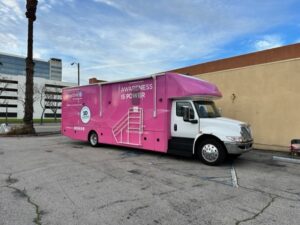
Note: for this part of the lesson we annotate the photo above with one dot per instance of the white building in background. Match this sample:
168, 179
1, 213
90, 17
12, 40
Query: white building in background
47, 94
47, 86
16, 65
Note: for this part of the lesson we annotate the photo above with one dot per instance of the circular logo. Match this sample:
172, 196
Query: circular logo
85, 114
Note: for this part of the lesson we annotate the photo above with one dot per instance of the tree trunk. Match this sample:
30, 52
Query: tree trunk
28, 115
42, 117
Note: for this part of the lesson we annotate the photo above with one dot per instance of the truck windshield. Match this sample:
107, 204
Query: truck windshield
206, 109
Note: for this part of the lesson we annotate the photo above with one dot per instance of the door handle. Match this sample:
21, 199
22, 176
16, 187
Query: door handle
175, 127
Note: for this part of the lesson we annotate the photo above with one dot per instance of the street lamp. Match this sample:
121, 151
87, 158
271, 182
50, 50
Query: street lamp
5, 101
6, 106
78, 70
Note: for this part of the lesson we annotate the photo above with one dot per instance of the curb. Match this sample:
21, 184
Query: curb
48, 133
284, 159
40, 134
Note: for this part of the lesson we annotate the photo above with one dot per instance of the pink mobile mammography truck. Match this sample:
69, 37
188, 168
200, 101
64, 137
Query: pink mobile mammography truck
168, 112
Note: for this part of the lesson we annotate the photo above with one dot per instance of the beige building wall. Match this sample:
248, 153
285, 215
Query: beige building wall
267, 96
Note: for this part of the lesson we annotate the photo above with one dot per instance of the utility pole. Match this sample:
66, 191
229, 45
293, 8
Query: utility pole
78, 71
28, 116
6, 113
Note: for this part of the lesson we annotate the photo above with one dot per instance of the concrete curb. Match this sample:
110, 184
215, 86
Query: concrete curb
284, 159
39, 134
48, 133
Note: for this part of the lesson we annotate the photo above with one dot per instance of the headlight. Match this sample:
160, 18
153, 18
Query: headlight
235, 138
246, 133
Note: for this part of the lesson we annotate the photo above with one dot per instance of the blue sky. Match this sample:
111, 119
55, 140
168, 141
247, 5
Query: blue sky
116, 39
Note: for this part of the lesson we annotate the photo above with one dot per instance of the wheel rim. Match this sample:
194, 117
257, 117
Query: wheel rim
93, 139
210, 153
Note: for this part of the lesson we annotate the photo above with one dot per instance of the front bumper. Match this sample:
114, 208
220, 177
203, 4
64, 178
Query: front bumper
238, 148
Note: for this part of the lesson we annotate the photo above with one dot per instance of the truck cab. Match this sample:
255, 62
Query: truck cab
197, 125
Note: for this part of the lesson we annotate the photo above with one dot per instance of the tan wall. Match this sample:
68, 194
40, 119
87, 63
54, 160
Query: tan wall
267, 96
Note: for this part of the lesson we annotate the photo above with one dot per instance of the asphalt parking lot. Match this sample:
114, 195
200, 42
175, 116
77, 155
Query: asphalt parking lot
55, 180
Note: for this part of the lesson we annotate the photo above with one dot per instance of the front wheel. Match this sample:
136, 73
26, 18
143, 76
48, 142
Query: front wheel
211, 152
93, 139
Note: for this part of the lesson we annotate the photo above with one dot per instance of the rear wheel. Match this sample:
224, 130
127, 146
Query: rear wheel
93, 139
211, 152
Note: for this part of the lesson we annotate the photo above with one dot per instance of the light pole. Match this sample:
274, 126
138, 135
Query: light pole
6, 112
78, 70
5, 101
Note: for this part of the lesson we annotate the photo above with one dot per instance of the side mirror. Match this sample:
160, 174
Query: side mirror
192, 114
188, 115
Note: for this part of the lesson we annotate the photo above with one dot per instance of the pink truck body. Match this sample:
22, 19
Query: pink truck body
133, 113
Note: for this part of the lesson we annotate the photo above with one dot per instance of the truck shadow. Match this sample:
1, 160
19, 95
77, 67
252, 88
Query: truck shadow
255, 156
130, 152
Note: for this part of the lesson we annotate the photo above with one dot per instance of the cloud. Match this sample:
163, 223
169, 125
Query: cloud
8, 42
44, 6
121, 6
109, 3
119, 39
10, 11
12, 5
267, 42
47, 5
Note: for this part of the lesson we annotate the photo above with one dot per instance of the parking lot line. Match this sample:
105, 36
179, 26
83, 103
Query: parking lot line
234, 177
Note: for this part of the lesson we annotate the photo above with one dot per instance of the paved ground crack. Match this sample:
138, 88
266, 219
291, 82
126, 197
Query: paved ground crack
255, 215
117, 202
272, 199
134, 211
23, 193
265, 192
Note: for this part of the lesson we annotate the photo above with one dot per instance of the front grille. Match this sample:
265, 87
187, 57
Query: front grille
246, 133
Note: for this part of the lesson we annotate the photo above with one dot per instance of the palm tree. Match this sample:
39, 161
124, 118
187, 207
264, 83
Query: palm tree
28, 115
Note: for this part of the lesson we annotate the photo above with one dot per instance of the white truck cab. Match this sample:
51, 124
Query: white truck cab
198, 124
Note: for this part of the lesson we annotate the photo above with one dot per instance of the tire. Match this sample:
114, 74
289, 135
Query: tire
93, 139
211, 152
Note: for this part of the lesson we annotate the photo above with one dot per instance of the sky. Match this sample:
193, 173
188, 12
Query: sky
119, 39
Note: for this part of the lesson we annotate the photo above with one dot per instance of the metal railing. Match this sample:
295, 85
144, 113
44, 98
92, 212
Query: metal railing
129, 129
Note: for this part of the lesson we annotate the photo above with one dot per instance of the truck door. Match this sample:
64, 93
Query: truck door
179, 127
183, 132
